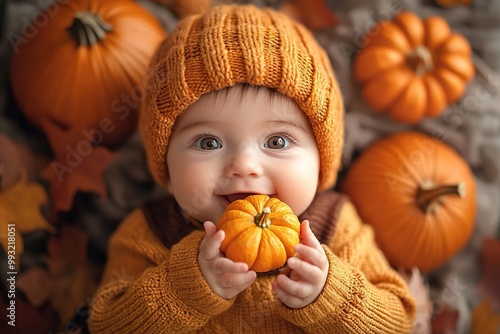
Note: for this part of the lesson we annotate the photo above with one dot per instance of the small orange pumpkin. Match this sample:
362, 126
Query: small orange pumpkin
413, 68
260, 231
418, 194
81, 64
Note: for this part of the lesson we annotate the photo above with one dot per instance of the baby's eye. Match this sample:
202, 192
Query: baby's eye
208, 143
276, 142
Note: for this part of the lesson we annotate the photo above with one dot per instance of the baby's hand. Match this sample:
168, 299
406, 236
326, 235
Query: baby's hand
225, 277
308, 272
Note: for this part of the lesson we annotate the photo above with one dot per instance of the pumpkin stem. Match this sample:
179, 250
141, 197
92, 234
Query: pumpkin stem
88, 28
420, 59
262, 220
430, 196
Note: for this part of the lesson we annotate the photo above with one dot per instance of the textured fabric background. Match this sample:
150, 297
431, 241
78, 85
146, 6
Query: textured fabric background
471, 126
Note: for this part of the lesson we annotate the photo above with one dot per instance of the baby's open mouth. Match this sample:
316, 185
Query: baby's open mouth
233, 197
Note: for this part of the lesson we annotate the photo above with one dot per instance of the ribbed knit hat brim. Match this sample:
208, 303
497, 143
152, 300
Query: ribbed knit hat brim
233, 44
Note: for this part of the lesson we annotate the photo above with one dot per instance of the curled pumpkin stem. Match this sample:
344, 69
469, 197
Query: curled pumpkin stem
430, 196
262, 220
88, 28
420, 59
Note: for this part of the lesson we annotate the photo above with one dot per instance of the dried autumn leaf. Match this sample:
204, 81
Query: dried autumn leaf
314, 14
28, 318
485, 320
10, 163
74, 288
15, 157
20, 213
36, 284
445, 322
420, 292
79, 164
67, 248
489, 285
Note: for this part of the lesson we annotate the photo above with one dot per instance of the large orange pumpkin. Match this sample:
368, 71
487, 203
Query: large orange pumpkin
260, 231
418, 194
81, 64
413, 68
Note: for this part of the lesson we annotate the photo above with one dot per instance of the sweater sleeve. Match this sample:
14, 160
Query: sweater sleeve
362, 294
149, 288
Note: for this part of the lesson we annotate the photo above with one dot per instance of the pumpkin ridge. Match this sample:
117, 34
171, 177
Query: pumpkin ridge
402, 91
410, 106
415, 25
457, 64
269, 243
258, 202
456, 44
398, 147
233, 217
394, 250
451, 82
437, 32
233, 232
244, 206
436, 101
380, 58
389, 35
239, 251
374, 84
288, 237
289, 222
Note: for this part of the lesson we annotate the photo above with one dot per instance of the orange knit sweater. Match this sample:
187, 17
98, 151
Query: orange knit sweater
148, 288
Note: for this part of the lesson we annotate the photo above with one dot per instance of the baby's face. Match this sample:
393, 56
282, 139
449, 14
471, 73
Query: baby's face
225, 147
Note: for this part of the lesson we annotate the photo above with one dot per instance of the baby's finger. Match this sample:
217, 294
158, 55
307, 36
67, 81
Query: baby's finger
306, 270
241, 280
294, 288
231, 288
286, 298
226, 265
315, 256
210, 229
307, 235
210, 246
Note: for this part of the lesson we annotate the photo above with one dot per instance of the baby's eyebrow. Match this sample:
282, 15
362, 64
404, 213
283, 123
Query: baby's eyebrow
208, 123
288, 123
194, 124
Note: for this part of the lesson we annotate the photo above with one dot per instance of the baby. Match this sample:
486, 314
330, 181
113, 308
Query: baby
243, 101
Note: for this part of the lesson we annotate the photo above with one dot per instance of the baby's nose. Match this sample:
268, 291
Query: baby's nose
243, 164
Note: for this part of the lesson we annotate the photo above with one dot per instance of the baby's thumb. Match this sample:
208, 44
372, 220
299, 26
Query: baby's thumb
210, 229
307, 235
210, 245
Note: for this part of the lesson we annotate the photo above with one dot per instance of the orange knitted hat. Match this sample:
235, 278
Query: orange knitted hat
233, 44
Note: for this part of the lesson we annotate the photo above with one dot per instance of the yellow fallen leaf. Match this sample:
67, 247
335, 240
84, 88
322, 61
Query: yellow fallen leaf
20, 213
485, 320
